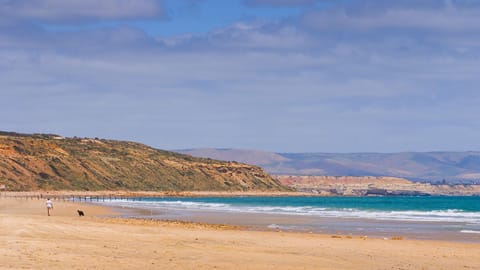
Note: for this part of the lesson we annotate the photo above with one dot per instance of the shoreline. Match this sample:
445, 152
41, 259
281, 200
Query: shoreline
64, 240
347, 227
133, 194
180, 194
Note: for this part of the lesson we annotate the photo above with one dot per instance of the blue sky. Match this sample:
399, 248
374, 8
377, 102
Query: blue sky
277, 75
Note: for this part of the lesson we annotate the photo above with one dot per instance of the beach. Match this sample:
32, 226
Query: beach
31, 239
412, 217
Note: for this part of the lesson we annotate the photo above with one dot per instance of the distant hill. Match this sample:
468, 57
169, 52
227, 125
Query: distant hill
51, 162
453, 167
239, 155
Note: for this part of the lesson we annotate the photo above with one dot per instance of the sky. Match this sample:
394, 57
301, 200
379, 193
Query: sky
274, 75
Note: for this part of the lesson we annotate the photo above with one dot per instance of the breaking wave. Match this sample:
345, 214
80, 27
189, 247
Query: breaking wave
449, 215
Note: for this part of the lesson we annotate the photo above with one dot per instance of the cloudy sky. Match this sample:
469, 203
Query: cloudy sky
278, 75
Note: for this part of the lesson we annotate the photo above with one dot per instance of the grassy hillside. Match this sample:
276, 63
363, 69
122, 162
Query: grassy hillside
51, 162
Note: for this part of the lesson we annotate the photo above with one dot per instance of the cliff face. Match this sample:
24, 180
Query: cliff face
371, 186
50, 162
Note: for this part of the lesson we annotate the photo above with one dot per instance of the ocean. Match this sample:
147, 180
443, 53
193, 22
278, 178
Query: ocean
441, 218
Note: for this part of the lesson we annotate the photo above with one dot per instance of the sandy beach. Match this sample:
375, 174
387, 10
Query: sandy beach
32, 240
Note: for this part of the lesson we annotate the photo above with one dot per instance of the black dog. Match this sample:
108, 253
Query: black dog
80, 213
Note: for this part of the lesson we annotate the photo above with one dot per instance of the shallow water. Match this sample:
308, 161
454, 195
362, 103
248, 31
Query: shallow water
445, 218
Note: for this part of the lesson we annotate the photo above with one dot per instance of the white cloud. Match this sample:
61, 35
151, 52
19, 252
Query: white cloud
435, 19
74, 10
410, 15
279, 3
250, 36
357, 85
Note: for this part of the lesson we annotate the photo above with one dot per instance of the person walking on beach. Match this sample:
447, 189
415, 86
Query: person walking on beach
49, 205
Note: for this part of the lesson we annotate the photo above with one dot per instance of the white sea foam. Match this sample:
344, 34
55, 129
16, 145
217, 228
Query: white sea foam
450, 215
470, 231
273, 226
285, 227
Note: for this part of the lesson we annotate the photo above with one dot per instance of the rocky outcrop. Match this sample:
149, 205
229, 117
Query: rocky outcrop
372, 186
51, 162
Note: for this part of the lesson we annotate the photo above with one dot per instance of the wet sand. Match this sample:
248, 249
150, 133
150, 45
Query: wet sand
31, 239
319, 225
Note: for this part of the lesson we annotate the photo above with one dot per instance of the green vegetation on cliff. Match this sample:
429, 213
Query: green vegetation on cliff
51, 162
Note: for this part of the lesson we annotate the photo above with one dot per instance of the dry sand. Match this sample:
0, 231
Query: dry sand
29, 239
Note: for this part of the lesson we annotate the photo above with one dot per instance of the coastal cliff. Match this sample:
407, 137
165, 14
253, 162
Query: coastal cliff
52, 162
371, 186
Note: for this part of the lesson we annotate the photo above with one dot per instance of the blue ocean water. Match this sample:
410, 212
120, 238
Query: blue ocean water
403, 203
381, 215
